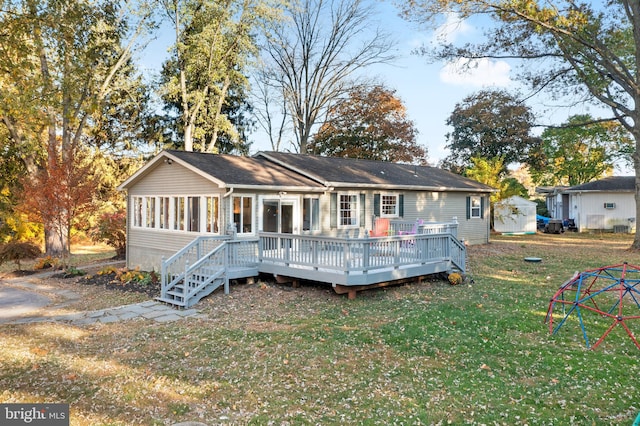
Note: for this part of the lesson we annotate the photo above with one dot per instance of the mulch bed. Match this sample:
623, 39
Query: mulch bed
110, 282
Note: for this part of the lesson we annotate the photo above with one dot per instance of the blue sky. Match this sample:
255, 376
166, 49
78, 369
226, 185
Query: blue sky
429, 91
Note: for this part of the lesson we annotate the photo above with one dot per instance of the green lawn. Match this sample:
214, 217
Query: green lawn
429, 353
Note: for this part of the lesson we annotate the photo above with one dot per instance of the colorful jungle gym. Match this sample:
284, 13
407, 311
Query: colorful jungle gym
598, 300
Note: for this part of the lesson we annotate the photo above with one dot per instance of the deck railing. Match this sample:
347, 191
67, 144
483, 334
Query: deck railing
401, 227
359, 255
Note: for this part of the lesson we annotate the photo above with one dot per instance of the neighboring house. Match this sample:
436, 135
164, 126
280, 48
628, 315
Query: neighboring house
514, 215
606, 204
178, 196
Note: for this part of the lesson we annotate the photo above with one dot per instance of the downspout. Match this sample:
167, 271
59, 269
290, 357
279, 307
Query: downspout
227, 222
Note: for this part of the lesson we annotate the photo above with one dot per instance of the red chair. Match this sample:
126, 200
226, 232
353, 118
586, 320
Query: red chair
381, 228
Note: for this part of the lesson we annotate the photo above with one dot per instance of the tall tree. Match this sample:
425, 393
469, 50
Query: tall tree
489, 124
313, 60
214, 43
60, 62
59, 194
492, 172
371, 123
231, 138
582, 150
588, 50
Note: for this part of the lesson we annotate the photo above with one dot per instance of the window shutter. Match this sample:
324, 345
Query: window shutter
333, 211
376, 205
468, 207
362, 209
401, 205
481, 207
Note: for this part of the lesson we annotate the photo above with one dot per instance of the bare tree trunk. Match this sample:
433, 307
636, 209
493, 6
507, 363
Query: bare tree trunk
636, 165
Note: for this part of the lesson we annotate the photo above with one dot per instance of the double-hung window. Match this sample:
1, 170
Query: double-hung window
475, 207
348, 210
389, 205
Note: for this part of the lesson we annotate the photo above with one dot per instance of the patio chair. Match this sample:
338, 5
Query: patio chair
381, 228
414, 231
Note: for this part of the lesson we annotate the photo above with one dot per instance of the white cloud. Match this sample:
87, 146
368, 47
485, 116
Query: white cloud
451, 29
476, 72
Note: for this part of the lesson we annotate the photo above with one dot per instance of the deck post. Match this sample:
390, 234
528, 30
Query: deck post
315, 247
352, 294
366, 250
163, 277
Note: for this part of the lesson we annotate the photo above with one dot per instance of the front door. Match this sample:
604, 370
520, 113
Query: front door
279, 215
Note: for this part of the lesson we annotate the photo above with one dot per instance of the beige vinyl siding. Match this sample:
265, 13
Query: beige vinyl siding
444, 207
165, 179
429, 206
146, 247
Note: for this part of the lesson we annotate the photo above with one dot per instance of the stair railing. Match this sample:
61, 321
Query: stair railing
174, 269
204, 272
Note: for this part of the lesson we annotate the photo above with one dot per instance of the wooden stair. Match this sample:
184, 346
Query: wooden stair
187, 292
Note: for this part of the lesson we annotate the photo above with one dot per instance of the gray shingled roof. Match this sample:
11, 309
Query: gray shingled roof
243, 171
612, 183
354, 172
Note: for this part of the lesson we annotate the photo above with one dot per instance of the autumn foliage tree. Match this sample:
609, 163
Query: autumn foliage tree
490, 124
59, 194
371, 123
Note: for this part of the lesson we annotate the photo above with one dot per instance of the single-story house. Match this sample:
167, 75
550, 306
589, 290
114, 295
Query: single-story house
607, 204
515, 215
179, 196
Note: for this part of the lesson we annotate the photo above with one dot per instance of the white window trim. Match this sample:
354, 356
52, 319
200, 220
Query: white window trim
253, 213
143, 200
318, 219
357, 210
396, 195
472, 208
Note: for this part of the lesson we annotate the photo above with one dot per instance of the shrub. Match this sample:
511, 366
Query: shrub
72, 271
18, 251
125, 275
108, 270
455, 278
46, 262
111, 230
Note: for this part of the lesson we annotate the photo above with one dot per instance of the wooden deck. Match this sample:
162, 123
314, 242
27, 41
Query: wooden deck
358, 262
348, 264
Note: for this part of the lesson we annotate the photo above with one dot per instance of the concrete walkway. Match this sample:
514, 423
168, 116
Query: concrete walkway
150, 309
23, 300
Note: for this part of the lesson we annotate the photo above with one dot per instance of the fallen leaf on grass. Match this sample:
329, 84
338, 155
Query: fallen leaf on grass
39, 351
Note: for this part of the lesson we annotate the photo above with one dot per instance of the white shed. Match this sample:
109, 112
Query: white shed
515, 215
